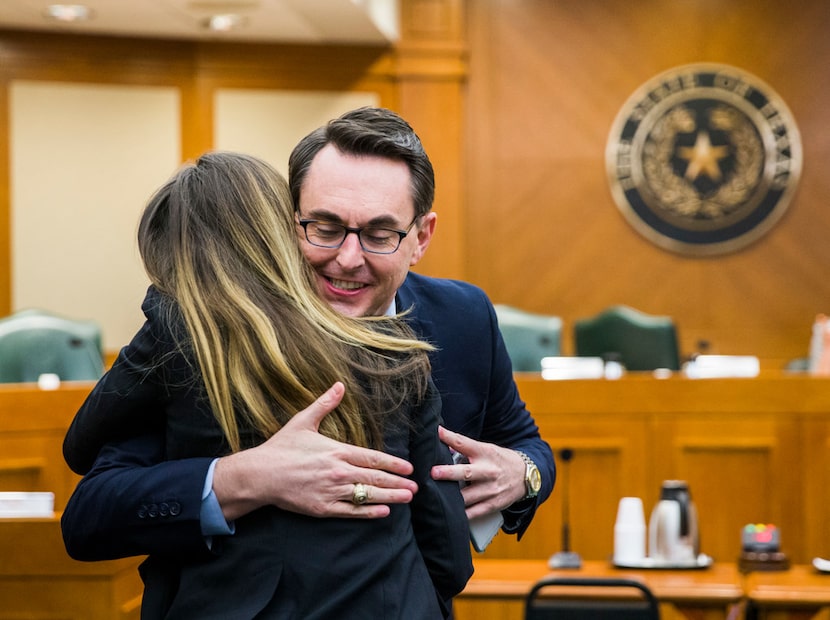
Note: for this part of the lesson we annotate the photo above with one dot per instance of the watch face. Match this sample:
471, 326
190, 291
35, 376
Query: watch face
535, 480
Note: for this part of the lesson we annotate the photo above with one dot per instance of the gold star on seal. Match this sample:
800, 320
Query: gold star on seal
703, 158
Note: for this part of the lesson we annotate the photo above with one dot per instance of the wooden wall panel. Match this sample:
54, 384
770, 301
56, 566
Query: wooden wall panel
737, 466
38, 581
609, 461
546, 82
816, 475
751, 450
603, 461
33, 424
32, 462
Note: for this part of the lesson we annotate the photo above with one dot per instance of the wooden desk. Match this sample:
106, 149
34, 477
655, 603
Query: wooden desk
627, 436
798, 593
33, 423
38, 580
743, 445
498, 588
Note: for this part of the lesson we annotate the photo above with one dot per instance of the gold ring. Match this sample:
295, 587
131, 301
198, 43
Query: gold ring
360, 495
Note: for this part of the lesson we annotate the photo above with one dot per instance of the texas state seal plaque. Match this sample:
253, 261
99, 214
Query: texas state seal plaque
703, 159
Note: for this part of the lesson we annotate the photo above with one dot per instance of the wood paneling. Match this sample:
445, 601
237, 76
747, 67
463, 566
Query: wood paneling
39, 581
422, 78
514, 102
739, 466
752, 450
546, 81
815, 476
607, 464
33, 423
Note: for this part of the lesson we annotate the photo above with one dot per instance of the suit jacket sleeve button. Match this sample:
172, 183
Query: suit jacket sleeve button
152, 511
175, 509
142, 511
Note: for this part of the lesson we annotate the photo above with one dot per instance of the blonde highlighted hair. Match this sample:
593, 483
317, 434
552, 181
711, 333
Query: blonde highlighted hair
220, 240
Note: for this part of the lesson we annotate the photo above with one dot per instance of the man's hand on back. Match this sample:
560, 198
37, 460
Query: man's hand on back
300, 470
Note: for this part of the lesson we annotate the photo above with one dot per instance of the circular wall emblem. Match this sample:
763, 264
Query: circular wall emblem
703, 159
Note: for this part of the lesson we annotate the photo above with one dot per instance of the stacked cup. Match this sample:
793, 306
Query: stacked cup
630, 532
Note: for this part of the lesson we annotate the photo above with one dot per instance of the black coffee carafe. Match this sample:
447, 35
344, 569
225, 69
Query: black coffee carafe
673, 529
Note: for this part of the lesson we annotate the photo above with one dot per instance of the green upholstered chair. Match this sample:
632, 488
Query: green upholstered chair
632, 600
640, 341
529, 337
35, 342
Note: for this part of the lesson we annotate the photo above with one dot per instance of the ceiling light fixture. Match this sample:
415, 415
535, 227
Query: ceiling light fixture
225, 22
68, 12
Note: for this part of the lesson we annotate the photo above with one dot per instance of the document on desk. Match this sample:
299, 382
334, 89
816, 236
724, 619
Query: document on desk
22, 504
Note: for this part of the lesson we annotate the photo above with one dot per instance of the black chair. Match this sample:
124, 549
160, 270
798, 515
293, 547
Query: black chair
559, 598
640, 341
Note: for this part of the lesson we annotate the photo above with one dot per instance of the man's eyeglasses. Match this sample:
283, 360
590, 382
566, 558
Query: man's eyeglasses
373, 239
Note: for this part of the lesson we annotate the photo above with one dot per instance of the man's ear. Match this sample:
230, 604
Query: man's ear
424, 231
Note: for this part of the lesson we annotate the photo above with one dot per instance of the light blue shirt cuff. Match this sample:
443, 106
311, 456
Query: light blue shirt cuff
212, 520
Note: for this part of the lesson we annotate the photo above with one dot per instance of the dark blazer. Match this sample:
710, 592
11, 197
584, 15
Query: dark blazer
471, 370
473, 373
277, 564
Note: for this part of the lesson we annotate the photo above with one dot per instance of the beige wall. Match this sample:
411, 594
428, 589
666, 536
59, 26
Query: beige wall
90, 126
268, 124
86, 158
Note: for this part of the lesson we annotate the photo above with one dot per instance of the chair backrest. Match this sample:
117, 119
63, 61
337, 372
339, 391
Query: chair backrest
34, 342
642, 341
578, 598
528, 337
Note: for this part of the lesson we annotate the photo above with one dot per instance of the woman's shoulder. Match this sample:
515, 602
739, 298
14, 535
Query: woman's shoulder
163, 317
156, 303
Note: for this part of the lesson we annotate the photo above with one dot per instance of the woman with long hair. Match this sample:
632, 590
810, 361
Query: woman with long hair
235, 342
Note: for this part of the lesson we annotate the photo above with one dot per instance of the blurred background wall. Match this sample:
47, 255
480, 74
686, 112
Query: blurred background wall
514, 101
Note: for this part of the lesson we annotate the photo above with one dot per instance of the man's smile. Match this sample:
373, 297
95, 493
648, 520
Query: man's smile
345, 285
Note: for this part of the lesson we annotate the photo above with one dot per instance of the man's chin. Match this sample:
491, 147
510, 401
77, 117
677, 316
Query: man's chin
346, 308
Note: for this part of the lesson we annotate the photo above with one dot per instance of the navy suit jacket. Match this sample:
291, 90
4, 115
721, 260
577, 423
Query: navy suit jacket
474, 376
278, 564
471, 369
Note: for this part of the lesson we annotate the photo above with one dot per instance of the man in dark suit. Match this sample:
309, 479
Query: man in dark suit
363, 189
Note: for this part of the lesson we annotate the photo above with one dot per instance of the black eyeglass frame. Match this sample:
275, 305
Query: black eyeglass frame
347, 230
